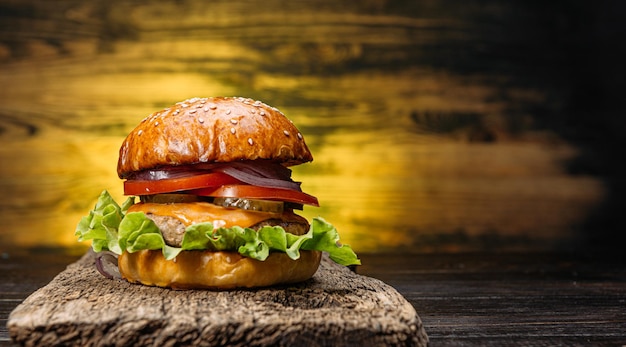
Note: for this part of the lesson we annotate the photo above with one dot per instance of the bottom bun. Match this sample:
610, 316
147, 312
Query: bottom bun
216, 270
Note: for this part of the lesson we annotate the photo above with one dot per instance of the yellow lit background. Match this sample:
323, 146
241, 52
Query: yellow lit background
433, 127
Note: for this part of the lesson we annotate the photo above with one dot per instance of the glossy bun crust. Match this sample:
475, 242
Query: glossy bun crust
220, 129
215, 270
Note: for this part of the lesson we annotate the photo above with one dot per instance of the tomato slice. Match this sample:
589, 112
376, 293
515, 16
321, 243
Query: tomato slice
256, 192
168, 185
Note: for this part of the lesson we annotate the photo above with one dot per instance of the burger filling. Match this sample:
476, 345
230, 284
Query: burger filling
246, 207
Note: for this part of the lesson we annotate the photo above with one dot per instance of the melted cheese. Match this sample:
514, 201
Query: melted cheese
198, 212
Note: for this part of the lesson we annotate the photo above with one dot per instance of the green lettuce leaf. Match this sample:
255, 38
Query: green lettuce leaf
101, 225
111, 228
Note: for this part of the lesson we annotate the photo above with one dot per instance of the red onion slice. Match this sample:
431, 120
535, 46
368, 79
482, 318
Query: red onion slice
166, 173
248, 176
264, 168
255, 172
106, 264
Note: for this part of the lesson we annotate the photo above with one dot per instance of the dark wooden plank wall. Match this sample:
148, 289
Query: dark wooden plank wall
436, 126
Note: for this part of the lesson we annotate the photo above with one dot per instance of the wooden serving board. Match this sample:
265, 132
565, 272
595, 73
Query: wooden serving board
337, 307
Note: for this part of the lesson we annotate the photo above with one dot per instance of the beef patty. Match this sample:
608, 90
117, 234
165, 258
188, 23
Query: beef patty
173, 229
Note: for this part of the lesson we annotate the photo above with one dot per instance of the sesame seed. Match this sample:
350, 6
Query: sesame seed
201, 120
192, 111
140, 132
206, 109
232, 130
300, 136
250, 142
234, 121
175, 112
199, 105
262, 113
286, 132
227, 111
156, 124
212, 106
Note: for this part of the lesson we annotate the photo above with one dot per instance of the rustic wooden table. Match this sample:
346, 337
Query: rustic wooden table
463, 299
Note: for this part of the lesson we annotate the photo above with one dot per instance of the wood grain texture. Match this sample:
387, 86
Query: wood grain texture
475, 299
517, 299
337, 307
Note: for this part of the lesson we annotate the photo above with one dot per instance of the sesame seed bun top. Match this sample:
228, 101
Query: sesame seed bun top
206, 130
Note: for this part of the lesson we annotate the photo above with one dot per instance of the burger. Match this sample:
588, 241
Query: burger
211, 202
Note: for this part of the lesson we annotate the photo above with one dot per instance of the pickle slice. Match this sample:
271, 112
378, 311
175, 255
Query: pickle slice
251, 204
